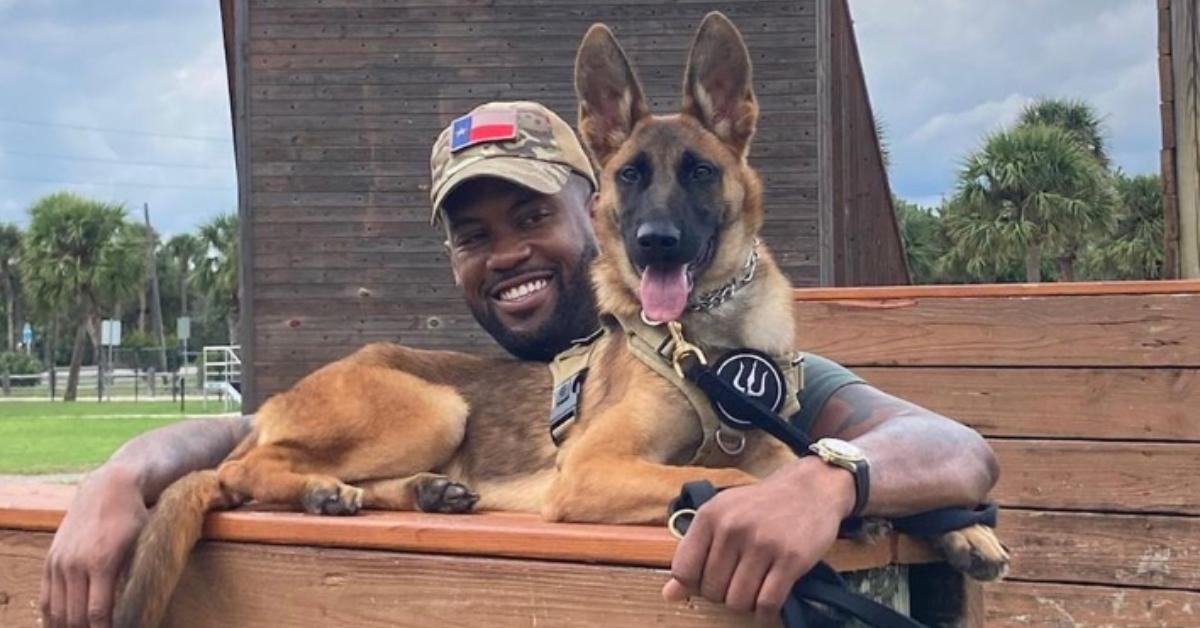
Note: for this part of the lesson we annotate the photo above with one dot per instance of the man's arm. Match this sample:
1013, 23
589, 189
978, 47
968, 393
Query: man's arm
109, 510
748, 545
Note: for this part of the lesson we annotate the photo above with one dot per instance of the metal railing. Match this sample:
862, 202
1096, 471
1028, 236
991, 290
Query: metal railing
222, 368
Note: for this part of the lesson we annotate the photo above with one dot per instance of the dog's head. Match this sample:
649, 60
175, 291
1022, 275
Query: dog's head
679, 206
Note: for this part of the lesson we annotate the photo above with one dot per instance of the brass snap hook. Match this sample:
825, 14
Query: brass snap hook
682, 347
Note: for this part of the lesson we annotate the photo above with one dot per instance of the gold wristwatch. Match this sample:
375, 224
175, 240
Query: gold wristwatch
848, 456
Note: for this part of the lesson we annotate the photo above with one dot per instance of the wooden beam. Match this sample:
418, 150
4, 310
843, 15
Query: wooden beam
1022, 604
1098, 476
1122, 330
1147, 551
1120, 403
40, 508
1079, 288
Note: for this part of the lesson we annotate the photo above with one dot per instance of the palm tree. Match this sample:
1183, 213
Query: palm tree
923, 239
1027, 192
217, 265
10, 254
1080, 119
81, 257
1134, 250
184, 248
1076, 117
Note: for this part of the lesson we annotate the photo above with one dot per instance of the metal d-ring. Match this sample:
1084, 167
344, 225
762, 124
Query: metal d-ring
646, 320
734, 448
673, 521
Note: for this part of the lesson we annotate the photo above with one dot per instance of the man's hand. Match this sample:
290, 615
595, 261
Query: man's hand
89, 550
749, 545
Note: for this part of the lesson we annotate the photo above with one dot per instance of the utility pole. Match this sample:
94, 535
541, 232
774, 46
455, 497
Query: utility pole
156, 301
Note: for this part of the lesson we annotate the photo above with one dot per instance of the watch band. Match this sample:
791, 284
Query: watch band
862, 487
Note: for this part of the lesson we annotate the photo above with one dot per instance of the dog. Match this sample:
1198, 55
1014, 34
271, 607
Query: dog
396, 428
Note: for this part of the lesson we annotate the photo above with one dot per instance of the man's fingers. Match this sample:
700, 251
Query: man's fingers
673, 591
77, 592
776, 586
58, 599
47, 592
723, 555
688, 564
747, 579
99, 601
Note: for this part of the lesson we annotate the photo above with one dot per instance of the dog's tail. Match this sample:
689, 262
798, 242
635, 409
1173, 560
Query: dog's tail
163, 548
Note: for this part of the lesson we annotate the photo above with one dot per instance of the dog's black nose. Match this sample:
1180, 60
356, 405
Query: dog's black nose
658, 237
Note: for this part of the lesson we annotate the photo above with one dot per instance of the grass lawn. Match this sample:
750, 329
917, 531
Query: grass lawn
50, 437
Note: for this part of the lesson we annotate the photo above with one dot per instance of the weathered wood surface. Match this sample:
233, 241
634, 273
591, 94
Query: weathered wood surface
1052, 605
250, 585
1126, 404
1152, 330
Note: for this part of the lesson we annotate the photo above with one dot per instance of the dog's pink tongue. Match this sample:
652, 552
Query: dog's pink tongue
664, 292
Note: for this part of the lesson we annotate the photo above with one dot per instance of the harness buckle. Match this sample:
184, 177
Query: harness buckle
682, 348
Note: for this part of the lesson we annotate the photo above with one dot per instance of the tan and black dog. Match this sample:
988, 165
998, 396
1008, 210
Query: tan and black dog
396, 428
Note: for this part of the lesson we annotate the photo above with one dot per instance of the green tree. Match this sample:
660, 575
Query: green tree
184, 249
1134, 249
1026, 193
83, 257
10, 255
216, 268
923, 240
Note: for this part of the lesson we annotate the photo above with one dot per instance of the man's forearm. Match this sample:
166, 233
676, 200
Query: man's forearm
157, 458
919, 460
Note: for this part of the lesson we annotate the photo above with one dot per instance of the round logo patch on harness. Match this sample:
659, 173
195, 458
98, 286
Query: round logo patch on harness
755, 375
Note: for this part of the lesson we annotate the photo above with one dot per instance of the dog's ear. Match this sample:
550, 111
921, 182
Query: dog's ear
717, 87
610, 97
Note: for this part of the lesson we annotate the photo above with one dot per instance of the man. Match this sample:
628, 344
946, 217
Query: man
517, 218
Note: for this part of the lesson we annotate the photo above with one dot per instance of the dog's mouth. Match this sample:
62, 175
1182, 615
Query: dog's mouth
665, 288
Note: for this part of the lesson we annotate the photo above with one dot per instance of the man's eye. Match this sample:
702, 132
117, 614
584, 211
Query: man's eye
629, 174
703, 172
468, 240
536, 218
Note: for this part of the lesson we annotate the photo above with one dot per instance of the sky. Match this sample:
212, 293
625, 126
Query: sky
128, 102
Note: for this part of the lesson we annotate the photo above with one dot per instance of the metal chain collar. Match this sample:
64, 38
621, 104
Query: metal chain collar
714, 298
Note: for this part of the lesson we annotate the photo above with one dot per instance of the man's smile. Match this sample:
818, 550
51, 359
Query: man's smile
524, 294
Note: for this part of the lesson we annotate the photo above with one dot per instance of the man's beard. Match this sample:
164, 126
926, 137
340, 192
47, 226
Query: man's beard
574, 316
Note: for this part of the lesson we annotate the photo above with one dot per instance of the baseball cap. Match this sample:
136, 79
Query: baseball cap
522, 142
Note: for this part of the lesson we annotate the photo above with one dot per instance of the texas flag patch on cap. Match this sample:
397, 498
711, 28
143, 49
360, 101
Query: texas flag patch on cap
483, 126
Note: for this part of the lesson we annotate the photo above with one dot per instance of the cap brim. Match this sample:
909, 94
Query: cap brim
540, 176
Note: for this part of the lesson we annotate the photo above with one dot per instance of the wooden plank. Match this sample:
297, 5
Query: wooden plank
1079, 288
1131, 404
510, 27
488, 534
1019, 604
1146, 330
564, 36
688, 13
261, 586
1098, 476
1088, 548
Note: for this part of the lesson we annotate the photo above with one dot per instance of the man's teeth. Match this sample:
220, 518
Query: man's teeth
523, 290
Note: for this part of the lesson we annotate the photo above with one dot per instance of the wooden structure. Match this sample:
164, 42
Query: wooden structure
336, 103
260, 569
1179, 74
1090, 396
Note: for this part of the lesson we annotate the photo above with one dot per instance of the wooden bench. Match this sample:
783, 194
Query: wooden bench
274, 569
1090, 395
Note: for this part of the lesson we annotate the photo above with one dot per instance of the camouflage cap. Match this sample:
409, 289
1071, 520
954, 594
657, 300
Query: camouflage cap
522, 142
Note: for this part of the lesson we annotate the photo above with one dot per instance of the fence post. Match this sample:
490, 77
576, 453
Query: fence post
5, 383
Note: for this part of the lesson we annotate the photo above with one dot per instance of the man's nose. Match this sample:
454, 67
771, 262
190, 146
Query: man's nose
508, 253
658, 238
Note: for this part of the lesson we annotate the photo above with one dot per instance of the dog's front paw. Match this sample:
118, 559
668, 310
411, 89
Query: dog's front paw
332, 498
438, 493
976, 551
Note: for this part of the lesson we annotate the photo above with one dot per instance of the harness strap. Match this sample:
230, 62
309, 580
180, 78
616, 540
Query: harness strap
568, 371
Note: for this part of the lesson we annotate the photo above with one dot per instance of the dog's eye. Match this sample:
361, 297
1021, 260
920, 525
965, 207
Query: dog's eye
629, 174
703, 172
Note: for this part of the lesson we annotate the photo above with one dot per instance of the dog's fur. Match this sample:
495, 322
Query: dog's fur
396, 428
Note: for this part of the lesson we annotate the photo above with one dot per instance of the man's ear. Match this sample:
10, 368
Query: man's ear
610, 98
718, 88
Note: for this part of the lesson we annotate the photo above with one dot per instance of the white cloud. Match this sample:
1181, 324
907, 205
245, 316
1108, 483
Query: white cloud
985, 117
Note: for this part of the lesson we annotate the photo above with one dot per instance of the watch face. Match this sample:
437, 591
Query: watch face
842, 449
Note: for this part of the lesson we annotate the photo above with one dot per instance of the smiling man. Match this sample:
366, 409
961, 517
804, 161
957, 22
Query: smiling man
515, 190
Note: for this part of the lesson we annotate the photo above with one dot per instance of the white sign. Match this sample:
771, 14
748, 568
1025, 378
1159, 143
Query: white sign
110, 333
183, 328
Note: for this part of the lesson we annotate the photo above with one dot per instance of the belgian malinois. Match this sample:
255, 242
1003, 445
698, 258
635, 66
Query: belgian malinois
391, 427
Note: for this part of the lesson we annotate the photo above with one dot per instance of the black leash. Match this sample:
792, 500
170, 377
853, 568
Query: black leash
822, 584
